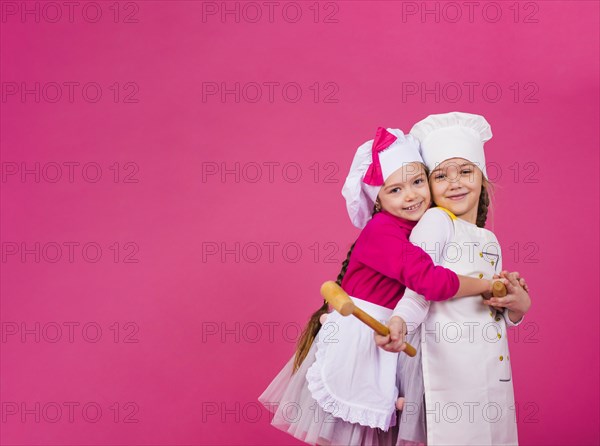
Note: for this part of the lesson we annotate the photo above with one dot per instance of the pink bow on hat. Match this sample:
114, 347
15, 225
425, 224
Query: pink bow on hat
383, 139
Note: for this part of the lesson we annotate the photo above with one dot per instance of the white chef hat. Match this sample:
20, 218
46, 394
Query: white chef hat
453, 135
373, 163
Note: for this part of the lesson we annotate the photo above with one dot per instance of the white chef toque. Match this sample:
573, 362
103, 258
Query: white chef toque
452, 135
373, 163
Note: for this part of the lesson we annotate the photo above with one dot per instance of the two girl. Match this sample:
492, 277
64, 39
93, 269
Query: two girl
340, 388
458, 389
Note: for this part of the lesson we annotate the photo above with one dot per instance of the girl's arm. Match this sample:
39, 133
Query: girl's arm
430, 236
388, 251
470, 286
409, 313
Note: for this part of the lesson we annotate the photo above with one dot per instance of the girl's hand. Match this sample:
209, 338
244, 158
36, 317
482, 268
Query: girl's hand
521, 280
394, 342
517, 301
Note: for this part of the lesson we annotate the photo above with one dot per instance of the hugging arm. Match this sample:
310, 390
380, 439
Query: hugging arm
422, 272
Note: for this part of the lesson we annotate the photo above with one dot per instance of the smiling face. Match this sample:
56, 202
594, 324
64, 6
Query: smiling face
405, 193
456, 186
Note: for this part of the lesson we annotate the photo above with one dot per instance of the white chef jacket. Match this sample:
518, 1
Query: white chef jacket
466, 372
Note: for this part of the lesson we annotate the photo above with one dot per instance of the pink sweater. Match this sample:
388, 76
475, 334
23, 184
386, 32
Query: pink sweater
384, 263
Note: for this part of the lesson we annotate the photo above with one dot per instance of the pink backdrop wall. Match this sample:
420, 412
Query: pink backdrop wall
171, 176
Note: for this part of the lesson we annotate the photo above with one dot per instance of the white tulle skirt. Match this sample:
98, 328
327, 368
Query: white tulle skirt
345, 397
297, 413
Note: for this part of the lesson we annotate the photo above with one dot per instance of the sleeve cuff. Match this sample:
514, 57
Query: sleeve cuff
510, 323
406, 317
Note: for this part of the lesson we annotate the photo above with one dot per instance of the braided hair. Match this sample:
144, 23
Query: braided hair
484, 203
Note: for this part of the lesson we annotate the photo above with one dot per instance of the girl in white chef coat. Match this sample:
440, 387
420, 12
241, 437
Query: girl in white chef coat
458, 389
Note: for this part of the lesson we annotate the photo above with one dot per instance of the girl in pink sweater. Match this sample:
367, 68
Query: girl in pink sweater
341, 389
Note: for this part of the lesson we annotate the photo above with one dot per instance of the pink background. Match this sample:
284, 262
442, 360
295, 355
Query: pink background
204, 349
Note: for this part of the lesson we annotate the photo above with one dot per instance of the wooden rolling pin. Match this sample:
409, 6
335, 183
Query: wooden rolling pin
341, 302
498, 290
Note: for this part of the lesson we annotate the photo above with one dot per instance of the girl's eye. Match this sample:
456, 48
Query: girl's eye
419, 180
466, 171
394, 190
439, 176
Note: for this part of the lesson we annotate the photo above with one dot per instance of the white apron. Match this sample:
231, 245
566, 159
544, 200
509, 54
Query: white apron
469, 394
352, 378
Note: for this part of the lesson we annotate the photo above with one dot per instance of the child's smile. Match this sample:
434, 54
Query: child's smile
457, 197
414, 207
